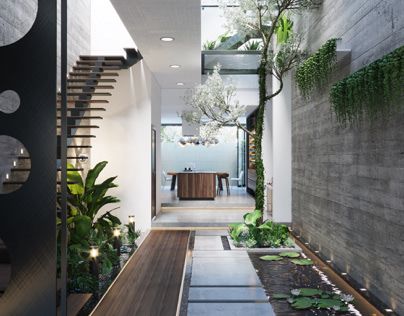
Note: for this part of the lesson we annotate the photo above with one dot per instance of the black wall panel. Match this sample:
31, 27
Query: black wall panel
27, 216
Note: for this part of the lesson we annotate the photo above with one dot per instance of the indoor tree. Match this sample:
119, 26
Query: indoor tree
268, 20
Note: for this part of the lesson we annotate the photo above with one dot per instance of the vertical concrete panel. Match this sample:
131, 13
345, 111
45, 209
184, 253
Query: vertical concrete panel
348, 183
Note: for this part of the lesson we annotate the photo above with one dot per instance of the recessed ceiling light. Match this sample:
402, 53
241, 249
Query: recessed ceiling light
180, 83
175, 66
167, 39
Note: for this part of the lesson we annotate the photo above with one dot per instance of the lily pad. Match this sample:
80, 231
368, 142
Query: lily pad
310, 292
302, 262
328, 303
303, 303
280, 296
271, 258
291, 254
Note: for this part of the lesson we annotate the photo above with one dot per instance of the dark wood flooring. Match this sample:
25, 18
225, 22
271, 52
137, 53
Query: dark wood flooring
150, 283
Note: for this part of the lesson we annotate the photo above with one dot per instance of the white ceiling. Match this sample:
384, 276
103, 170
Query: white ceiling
149, 20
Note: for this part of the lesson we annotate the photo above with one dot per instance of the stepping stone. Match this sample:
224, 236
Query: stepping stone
208, 243
233, 271
213, 232
230, 309
219, 254
227, 294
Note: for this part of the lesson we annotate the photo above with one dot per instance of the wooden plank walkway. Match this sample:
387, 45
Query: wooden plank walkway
151, 281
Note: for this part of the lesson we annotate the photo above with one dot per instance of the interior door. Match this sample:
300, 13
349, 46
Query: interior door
153, 173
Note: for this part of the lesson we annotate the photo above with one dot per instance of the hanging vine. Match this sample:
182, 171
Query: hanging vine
314, 71
373, 91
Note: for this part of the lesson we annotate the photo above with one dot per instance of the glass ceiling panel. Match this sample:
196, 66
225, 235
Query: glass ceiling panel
231, 61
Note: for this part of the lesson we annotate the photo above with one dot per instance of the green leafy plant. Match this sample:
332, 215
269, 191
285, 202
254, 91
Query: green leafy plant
284, 29
373, 91
271, 258
253, 234
302, 262
253, 45
87, 228
131, 234
314, 72
209, 45
310, 298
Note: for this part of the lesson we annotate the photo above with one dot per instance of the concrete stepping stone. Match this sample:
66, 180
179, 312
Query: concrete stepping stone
232, 271
211, 232
219, 254
208, 243
227, 294
230, 309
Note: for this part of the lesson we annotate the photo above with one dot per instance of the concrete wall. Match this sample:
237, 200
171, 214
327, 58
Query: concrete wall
124, 140
348, 183
18, 16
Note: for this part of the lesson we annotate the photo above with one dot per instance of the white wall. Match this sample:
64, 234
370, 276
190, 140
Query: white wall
124, 140
282, 152
108, 33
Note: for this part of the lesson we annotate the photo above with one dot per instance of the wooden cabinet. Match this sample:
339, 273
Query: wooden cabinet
196, 185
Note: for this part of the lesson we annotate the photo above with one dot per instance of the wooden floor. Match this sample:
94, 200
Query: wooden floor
151, 281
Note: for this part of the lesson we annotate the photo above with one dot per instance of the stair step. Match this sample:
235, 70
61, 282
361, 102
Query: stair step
79, 146
85, 101
90, 86
100, 57
80, 126
70, 169
84, 109
79, 94
83, 117
99, 63
90, 80
97, 73
96, 67
80, 136
20, 170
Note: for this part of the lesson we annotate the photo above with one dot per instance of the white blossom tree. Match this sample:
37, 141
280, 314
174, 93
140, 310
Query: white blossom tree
265, 19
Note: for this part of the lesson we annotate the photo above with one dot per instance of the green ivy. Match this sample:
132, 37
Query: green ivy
314, 71
373, 91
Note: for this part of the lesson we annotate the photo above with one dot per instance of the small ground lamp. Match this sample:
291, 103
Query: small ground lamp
117, 240
132, 221
94, 264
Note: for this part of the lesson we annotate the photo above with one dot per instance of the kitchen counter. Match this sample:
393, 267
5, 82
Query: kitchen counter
196, 185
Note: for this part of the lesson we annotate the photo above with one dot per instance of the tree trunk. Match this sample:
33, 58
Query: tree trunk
259, 127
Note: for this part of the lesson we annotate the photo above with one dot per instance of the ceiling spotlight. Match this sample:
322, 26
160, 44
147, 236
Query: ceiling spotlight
175, 66
167, 39
180, 83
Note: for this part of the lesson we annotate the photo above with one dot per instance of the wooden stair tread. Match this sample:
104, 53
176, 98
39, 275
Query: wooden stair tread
80, 136
100, 62
79, 146
98, 73
80, 126
84, 109
78, 94
90, 86
96, 67
83, 117
84, 101
103, 57
91, 79
75, 303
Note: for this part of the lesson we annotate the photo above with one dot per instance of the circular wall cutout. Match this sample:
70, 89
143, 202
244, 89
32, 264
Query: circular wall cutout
9, 101
5, 267
19, 14
15, 164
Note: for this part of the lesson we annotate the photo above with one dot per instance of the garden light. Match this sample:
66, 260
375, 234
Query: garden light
94, 252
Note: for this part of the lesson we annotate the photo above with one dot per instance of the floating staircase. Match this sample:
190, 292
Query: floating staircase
91, 78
